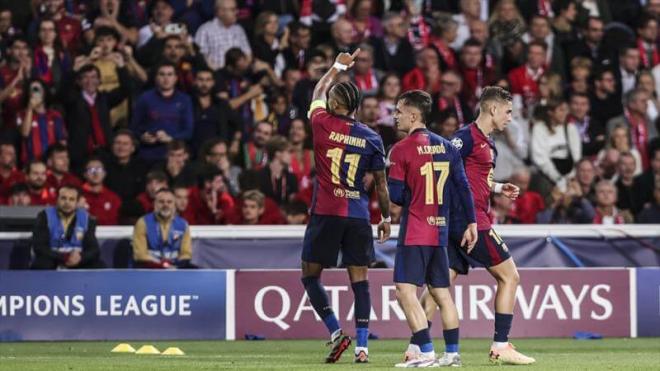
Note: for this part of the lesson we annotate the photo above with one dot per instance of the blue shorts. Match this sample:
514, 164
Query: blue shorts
326, 235
419, 265
489, 251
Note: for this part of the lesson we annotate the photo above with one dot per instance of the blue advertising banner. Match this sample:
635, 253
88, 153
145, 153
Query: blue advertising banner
648, 301
112, 305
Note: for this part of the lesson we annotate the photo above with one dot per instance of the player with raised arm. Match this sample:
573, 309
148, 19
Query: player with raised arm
424, 169
478, 152
344, 150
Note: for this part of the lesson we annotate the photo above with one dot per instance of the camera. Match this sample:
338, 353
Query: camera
174, 28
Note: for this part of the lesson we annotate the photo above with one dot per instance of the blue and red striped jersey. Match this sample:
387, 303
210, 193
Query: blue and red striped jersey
425, 169
344, 150
479, 153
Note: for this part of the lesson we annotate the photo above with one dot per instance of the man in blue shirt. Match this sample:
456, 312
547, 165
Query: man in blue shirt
162, 114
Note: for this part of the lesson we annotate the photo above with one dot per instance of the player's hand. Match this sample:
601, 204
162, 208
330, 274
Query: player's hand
347, 59
470, 237
510, 191
384, 231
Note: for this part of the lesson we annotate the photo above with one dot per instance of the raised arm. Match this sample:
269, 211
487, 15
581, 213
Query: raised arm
343, 62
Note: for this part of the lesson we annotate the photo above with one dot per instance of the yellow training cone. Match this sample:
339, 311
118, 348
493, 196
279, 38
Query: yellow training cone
173, 351
123, 348
147, 349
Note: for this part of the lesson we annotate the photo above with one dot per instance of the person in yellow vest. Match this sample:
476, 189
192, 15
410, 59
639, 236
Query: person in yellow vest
161, 239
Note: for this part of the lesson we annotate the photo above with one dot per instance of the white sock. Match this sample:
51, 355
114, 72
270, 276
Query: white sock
335, 335
361, 349
414, 348
500, 345
451, 354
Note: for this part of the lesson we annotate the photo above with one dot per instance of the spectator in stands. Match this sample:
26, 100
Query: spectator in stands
120, 15
234, 85
9, 173
65, 236
591, 45
364, 24
178, 50
296, 212
316, 65
281, 112
651, 212
619, 139
297, 52
161, 239
220, 34
125, 172
254, 151
426, 75
266, 45
642, 131
506, 23
102, 203
586, 177
626, 199
342, 36
592, 132
364, 74
214, 154
275, 179
211, 199
443, 35
605, 104
646, 83
51, 63
88, 111
368, 114
530, 203
647, 29
392, 52
58, 168
555, 144
524, 79
162, 114
162, 14
213, 117
570, 207
252, 207
606, 211
19, 195
177, 164
302, 157
390, 88
629, 61
16, 70
470, 12
40, 193
645, 183
540, 30
580, 72
40, 125
155, 181
476, 71
449, 98
182, 203
290, 78
502, 210
563, 23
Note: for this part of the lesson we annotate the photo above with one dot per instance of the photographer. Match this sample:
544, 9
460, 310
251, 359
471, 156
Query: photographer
37, 119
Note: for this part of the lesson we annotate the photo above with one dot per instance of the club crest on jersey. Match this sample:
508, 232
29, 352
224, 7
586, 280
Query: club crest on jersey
457, 142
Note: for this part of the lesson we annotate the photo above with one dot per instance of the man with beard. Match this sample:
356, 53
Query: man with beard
605, 103
276, 181
64, 236
254, 151
213, 117
36, 181
58, 168
161, 239
9, 174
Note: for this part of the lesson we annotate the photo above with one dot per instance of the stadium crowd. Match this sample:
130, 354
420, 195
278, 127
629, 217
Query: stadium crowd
209, 98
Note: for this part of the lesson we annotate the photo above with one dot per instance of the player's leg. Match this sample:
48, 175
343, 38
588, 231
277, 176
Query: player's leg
357, 248
501, 266
362, 310
320, 249
409, 273
438, 284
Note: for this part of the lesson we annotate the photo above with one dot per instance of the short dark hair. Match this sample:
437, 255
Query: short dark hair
540, 43
418, 99
171, 37
20, 187
69, 186
176, 145
88, 68
164, 64
128, 133
644, 20
56, 148
28, 166
276, 144
106, 31
18, 38
203, 69
577, 94
296, 26
494, 93
295, 207
233, 55
156, 175
472, 42
94, 158
164, 190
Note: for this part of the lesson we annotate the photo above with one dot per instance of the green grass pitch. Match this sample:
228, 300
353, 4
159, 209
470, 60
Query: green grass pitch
551, 354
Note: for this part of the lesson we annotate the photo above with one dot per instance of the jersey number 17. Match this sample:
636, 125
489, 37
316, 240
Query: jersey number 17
428, 170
